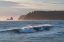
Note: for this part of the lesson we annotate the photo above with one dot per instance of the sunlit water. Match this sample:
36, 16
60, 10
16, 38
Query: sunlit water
55, 34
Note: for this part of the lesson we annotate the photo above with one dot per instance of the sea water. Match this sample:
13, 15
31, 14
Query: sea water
55, 34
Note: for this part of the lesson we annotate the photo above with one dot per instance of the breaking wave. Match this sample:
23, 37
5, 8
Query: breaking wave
29, 29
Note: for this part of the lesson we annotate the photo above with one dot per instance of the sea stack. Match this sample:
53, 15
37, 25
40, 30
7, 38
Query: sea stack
10, 18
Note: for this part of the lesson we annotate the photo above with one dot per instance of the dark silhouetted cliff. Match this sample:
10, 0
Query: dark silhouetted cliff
44, 15
21, 17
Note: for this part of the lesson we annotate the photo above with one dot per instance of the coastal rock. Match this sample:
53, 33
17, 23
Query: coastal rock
10, 18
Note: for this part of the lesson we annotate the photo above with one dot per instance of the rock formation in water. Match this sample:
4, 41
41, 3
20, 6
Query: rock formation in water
10, 18
43, 15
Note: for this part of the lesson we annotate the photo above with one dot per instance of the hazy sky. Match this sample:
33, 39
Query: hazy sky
15, 8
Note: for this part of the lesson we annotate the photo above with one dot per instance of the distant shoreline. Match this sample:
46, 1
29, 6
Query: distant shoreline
43, 15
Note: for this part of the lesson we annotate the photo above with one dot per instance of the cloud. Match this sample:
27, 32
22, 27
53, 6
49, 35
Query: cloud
35, 5
7, 3
20, 0
10, 4
12, 0
52, 3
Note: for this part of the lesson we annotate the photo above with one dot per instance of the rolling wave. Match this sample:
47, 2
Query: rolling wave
29, 29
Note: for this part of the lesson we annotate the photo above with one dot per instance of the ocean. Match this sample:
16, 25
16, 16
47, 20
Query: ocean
54, 34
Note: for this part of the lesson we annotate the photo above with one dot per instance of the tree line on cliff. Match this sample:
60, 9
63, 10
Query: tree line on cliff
43, 15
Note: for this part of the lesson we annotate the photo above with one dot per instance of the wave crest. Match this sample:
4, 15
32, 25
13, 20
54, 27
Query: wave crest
30, 29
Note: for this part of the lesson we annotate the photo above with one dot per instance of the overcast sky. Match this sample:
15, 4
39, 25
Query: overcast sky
15, 8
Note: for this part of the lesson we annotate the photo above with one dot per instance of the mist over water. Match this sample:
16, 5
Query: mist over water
55, 34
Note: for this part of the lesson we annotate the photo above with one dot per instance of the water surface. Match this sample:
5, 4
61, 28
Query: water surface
55, 34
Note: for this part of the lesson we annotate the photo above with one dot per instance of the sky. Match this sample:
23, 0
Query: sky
15, 8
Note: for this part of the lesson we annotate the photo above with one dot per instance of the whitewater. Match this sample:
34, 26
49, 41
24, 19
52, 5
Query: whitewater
32, 31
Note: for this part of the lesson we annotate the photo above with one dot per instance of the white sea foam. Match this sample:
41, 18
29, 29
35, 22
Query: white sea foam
27, 30
31, 29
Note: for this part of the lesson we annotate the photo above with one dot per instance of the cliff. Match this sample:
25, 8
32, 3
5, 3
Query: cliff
22, 17
44, 15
